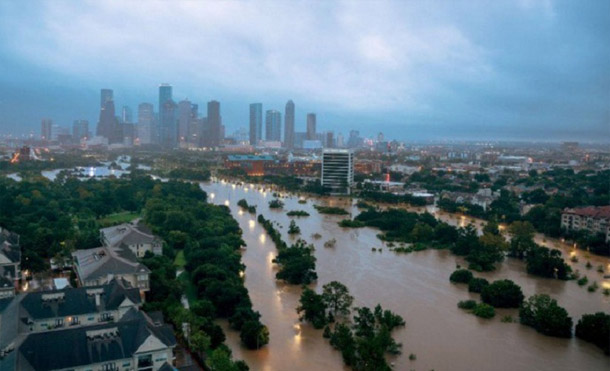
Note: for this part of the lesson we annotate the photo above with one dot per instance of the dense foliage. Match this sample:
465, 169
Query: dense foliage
391, 198
595, 328
546, 316
298, 213
461, 276
502, 294
244, 205
330, 210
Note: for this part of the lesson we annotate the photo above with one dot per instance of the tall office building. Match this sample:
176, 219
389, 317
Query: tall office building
289, 125
329, 140
185, 116
311, 126
256, 123
273, 128
168, 131
108, 125
105, 96
126, 115
46, 129
165, 95
146, 123
194, 126
214, 122
338, 170
80, 129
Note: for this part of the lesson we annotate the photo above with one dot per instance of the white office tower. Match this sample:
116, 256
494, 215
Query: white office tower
338, 170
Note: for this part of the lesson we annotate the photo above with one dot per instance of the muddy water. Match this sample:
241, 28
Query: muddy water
416, 286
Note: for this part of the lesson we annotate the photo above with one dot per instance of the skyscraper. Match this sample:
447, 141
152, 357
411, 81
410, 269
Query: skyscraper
289, 125
311, 126
146, 123
126, 115
80, 129
256, 123
169, 124
46, 129
214, 122
273, 128
108, 125
185, 115
166, 119
105, 96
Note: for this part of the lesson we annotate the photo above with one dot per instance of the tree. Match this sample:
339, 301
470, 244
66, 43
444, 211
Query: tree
502, 294
595, 328
487, 252
293, 228
461, 276
545, 262
542, 313
522, 238
467, 240
337, 299
477, 284
312, 308
199, 341
254, 334
220, 360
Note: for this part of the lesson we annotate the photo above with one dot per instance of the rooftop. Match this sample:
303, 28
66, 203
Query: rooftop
591, 211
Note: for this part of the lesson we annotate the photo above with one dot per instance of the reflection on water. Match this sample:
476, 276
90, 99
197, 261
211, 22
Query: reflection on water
416, 286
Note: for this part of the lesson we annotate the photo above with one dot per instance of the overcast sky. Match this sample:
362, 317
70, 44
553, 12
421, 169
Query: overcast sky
518, 69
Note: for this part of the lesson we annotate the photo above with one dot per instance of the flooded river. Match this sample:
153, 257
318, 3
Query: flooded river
415, 285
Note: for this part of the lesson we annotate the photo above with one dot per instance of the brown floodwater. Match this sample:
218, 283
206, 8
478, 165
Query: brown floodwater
415, 285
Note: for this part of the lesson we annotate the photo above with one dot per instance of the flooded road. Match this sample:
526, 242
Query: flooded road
415, 285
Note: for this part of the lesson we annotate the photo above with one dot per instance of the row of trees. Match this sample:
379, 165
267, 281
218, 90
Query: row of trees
297, 264
364, 339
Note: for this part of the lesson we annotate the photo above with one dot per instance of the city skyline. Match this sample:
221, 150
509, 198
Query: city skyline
516, 71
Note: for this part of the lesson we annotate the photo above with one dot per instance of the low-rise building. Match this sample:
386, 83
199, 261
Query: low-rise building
100, 265
592, 219
136, 236
83, 306
10, 257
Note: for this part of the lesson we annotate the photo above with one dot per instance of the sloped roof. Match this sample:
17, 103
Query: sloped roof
77, 301
103, 261
132, 233
591, 211
72, 348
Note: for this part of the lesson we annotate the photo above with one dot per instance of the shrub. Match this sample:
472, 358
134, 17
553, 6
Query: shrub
502, 294
477, 284
593, 287
461, 276
484, 310
276, 204
467, 304
583, 281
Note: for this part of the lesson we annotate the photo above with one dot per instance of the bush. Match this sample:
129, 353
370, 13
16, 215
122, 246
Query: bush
542, 313
583, 281
484, 311
467, 304
276, 204
502, 294
298, 213
477, 284
461, 276
330, 210
595, 328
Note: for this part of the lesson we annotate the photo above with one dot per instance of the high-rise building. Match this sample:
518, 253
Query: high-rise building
146, 123
169, 124
108, 125
194, 126
163, 127
273, 128
46, 129
289, 125
256, 123
311, 126
354, 140
337, 170
340, 140
80, 129
214, 123
329, 140
185, 116
126, 115
105, 96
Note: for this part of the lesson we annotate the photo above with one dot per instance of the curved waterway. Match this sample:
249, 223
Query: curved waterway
415, 285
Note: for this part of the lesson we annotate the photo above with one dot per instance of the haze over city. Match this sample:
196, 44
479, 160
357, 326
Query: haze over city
508, 70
